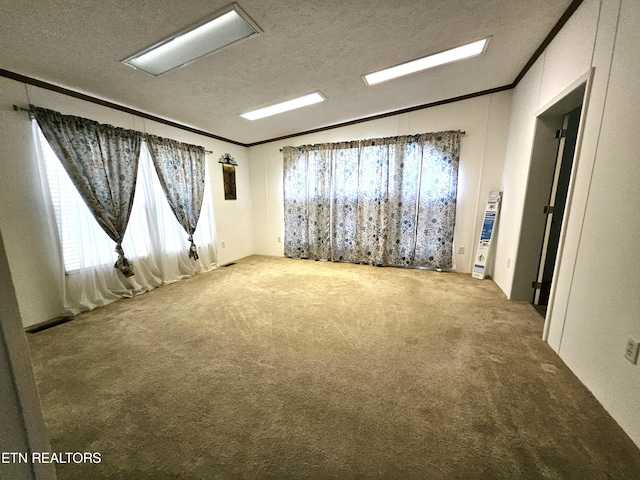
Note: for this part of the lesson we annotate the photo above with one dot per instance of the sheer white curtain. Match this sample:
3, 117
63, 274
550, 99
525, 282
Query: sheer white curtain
154, 240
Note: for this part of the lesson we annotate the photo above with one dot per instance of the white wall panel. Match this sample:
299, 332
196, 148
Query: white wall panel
32, 256
592, 120
604, 304
35, 266
569, 55
485, 121
515, 174
596, 305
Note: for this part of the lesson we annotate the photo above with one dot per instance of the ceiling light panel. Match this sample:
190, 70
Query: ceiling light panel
303, 101
225, 27
453, 55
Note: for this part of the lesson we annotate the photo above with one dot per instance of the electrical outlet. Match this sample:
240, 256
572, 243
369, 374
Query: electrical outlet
279, 240
222, 244
631, 350
508, 263
460, 250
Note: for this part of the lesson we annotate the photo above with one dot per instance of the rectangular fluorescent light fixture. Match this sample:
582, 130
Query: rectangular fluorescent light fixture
459, 53
225, 27
303, 101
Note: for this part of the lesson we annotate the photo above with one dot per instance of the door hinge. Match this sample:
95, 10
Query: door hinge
548, 209
561, 133
536, 285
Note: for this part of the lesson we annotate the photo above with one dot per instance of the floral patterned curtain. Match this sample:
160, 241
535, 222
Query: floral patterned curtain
388, 201
319, 175
102, 162
346, 165
296, 231
181, 170
437, 205
401, 207
373, 189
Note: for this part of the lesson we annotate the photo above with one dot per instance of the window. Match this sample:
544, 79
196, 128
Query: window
385, 201
85, 244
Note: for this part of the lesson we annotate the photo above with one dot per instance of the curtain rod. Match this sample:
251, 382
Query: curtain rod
461, 133
28, 110
20, 109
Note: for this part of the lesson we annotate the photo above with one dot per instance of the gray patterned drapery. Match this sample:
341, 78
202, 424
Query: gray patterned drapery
102, 162
385, 201
181, 170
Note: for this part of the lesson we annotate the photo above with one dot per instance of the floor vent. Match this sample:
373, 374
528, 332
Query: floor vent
48, 324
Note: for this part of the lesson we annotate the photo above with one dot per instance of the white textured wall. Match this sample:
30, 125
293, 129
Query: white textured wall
34, 262
23, 428
596, 305
603, 307
485, 120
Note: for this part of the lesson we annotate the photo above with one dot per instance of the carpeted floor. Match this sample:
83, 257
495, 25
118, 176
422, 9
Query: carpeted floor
282, 369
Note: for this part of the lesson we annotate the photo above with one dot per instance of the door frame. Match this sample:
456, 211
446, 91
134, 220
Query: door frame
569, 261
549, 118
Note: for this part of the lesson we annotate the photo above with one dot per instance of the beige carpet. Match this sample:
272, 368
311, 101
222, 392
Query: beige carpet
279, 368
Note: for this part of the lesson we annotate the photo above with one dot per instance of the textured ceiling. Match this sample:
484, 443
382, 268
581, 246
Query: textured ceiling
313, 45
